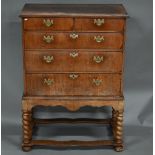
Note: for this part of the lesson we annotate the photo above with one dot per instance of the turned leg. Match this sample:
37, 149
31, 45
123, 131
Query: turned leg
27, 130
118, 130
113, 117
113, 120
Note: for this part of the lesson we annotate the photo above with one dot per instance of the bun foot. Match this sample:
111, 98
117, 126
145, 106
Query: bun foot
26, 148
118, 148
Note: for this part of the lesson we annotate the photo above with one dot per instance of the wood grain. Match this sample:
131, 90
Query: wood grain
64, 85
74, 105
62, 24
87, 24
73, 143
34, 40
64, 62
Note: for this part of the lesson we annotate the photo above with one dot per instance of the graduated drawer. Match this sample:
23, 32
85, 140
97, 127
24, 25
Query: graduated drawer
72, 84
99, 24
73, 60
48, 24
44, 40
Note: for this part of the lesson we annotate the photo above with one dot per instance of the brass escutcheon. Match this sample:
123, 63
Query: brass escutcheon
73, 76
74, 54
74, 35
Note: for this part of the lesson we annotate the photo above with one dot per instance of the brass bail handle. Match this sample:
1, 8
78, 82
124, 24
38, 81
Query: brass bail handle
48, 22
98, 59
98, 22
48, 58
48, 81
48, 38
99, 39
97, 82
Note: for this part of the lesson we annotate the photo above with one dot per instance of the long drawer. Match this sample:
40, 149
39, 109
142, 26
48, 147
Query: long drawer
73, 60
46, 40
72, 84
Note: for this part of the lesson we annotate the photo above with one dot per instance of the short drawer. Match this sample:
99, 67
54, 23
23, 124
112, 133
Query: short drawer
48, 24
73, 60
99, 24
73, 84
44, 40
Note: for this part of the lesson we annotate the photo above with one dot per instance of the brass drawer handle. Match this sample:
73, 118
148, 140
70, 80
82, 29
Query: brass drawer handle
48, 38
98, 59
48, 82
99, 39
48, 59
97, 82
48, 22
73, 54
99, 22
74, 36
73, 76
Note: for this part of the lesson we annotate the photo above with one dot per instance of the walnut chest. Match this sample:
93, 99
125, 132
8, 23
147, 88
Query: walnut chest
73, 57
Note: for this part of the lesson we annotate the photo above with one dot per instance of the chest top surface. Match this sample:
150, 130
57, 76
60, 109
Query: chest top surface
106, 10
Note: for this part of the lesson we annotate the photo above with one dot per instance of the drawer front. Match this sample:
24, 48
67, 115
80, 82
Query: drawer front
99, 24
42, 40
73, 84
48, 24
73, 60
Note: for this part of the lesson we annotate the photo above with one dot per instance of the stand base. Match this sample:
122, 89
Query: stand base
116, 122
